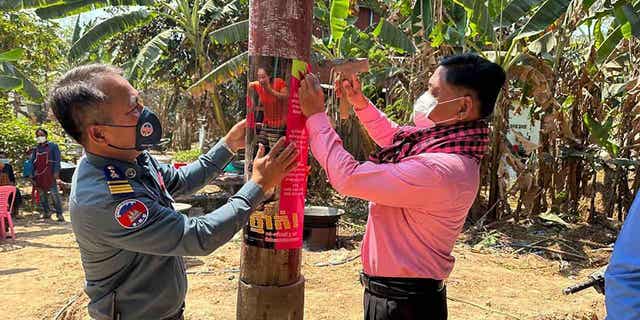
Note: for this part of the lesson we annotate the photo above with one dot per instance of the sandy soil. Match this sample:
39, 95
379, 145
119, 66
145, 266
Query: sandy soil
40, 275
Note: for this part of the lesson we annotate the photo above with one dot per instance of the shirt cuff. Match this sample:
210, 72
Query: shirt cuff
252, 193
368, 113
317, 123
226, 146
219, 155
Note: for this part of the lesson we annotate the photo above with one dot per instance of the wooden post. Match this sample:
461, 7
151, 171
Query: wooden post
271, 286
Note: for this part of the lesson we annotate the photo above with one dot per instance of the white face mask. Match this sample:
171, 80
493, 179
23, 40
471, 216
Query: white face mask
421, 110
41, 139
4, 160
423, 107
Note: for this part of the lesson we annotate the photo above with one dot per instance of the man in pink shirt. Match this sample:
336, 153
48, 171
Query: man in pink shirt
421, 183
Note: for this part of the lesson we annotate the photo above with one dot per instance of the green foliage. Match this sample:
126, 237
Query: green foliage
628, 19
602, 133
548, 12
11, 55
16, 135
39, 40
32, 53
338, 18
438, 35
187, 155
422, 16
107, 29
149, 56
394, 37
69, 8
24, 85
233, 33
228, 70
399, 111
514, 10
8, 82
479, 20
25, 4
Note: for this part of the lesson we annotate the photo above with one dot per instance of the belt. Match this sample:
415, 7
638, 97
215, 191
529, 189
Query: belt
401, 288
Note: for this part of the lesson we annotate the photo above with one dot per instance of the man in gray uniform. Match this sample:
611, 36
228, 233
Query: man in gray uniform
131, 239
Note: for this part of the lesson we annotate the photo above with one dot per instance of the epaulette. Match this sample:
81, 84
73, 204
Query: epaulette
117, 183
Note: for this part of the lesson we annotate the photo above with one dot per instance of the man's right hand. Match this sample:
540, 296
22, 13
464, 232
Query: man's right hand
352, 91
270, 169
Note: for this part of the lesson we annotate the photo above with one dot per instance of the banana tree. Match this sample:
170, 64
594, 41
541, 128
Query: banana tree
499, 30
377, 42
537, 24
12, 79
342, 19
192, 23
198, 37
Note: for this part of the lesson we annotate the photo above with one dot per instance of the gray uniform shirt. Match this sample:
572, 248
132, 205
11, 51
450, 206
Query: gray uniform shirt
131, 239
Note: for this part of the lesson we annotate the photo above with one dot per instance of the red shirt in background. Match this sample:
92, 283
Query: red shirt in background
275, 110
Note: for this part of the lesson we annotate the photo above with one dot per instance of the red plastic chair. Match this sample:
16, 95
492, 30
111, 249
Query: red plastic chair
6, 193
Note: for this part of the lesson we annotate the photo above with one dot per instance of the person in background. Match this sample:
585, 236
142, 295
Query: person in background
273, 97
46, 171
8, 178
421, 184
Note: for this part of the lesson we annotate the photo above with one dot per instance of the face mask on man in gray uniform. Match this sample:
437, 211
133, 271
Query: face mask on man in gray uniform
148, 131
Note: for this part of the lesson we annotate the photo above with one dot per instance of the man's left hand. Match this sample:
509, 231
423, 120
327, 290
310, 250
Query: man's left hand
311, 96
235, 138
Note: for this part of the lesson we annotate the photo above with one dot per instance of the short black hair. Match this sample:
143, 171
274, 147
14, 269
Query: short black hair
75, 97
46, 134
475, 73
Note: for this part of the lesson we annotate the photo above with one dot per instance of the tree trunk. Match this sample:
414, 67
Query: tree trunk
594, 186
500, 119
218, 111
271, 286
609, 190
575, 165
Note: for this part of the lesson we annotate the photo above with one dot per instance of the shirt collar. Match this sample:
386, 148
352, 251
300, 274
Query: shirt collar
131, 170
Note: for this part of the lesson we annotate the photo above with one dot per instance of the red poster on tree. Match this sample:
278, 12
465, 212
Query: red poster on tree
273, 111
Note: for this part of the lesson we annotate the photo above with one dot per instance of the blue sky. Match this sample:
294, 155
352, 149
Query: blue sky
69, 22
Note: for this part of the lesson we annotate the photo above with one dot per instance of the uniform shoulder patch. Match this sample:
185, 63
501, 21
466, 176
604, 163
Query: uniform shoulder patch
117, 183
111, 173
131, 213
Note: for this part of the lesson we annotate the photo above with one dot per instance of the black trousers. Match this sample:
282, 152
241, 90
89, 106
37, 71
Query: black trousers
177, 316
404, 299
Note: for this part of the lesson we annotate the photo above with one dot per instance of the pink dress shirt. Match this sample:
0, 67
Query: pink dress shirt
417, 206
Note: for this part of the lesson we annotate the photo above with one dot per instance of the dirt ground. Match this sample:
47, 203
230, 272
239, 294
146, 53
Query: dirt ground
41, 276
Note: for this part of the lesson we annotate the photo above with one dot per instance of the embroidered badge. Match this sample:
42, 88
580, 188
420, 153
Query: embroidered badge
111, 172
131, 213
130, 172
146, 129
